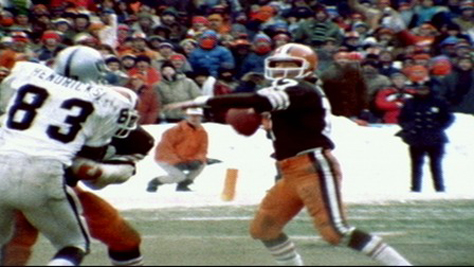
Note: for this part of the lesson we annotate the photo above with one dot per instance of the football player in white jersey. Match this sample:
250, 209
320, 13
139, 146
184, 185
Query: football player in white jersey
49, 117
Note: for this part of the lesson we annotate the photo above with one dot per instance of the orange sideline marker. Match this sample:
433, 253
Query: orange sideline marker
228, 193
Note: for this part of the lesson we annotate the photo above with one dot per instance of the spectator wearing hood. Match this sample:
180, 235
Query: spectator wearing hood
424, 120
209, 54
458, 87
261, 48
174, 87
315, 31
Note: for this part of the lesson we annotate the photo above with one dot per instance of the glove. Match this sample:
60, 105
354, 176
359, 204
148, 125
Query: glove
111, 174
85, 169
194, 165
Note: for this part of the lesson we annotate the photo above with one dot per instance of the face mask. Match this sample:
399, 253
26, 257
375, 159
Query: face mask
207, 43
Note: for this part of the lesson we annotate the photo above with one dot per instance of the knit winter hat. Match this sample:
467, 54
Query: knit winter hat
200, 19
165, 44
441, 66
50, 35
177, 57
208, 34
416, 73
20, 36
261, 37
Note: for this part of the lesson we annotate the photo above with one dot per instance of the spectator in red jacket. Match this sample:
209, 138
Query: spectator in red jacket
148, 103
182, 152
143, 66
390, 100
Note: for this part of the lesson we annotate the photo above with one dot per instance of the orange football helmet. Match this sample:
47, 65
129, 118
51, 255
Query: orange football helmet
304, 56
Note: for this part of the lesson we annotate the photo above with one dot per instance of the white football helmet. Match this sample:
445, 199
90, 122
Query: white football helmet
81, 63
304, 56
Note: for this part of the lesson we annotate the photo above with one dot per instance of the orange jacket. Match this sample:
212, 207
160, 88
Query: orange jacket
182, 143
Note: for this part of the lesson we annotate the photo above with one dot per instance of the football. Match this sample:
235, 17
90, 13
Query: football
245, 121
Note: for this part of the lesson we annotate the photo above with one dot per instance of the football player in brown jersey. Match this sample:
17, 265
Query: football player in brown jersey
311, 175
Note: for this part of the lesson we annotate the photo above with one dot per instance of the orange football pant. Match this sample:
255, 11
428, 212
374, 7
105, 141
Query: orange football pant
310, 180
103, 220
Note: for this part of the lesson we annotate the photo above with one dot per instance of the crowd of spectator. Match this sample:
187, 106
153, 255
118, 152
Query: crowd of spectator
370, 51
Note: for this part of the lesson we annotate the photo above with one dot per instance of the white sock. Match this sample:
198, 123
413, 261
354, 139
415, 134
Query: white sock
383, 253
60, 262
390, 257
133, 262
285, 254
296, 261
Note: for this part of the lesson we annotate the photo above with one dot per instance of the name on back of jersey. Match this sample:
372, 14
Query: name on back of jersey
65, 82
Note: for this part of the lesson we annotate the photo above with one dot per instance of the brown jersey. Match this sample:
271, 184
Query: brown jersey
299, 113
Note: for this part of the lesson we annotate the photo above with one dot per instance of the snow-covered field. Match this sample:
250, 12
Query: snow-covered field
375, 166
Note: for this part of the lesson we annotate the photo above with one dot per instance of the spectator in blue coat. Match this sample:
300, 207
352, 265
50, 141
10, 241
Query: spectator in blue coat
210, 55
255, 61
424, 120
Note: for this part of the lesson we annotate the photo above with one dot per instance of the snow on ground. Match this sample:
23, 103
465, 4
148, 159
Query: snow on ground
375, 166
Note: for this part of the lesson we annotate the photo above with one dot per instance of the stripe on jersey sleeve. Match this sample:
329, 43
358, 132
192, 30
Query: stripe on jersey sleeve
279, 99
